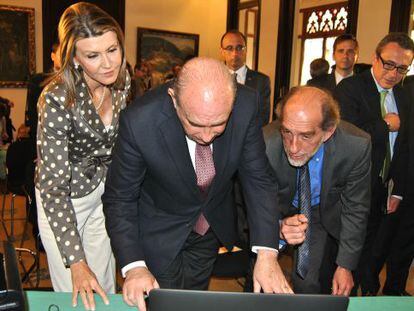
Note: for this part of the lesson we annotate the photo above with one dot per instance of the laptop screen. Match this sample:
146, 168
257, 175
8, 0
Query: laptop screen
185, 300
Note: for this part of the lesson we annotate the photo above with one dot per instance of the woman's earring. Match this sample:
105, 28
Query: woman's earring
76, 66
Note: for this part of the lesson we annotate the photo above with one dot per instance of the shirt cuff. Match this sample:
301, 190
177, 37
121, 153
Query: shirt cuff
257, 248
132, 265
397, 197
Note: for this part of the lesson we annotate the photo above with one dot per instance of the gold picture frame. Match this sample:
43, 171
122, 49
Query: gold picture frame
17, 41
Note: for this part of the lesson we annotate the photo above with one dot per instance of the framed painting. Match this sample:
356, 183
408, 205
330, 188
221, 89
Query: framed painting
162, 52
17, 41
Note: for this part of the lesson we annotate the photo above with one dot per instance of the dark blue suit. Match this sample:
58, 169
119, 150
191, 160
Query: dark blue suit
151, 198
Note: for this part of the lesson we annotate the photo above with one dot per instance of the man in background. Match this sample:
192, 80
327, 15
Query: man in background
375, 102
401, 244
345, 54
233, 51
319, 67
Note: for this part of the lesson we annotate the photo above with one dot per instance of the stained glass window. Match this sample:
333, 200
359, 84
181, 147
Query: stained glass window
321, 25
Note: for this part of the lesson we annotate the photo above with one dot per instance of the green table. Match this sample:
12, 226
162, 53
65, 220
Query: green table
40, 301
381, 303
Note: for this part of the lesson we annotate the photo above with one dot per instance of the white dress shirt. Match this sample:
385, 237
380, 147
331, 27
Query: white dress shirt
339, 77
241, 74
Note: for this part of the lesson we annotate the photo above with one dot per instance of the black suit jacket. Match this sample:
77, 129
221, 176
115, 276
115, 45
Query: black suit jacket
151, 200
326, 82
34, 88
408, 85
345, 191
261, 83
359, 101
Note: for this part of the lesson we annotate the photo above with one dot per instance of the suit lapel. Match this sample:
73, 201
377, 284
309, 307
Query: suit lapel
327, 168
285, 170
332, 81
399, 101
249, 79
372, 94
174, 138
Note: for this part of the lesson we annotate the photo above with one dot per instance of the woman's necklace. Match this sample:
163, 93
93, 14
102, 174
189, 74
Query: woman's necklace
101, 100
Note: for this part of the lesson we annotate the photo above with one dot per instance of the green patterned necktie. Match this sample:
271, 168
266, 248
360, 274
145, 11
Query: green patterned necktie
387, 160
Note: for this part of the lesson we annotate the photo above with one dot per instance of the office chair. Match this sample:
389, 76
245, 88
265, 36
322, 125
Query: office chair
17, 161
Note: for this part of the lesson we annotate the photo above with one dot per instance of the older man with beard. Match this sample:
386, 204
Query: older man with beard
322, 168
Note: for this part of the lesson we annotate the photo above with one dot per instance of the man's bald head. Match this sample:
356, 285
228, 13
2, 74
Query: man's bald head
308, 118
201, 75
312, 99
203, 96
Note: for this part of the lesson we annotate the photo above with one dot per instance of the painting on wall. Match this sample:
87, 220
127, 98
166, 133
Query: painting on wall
17, 41
161, 53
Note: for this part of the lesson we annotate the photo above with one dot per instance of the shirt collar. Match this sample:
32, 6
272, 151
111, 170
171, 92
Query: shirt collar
339, 77
379, 87
241, 72
318, 155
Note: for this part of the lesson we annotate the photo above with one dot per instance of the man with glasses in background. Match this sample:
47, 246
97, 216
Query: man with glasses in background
233, 51
375, 102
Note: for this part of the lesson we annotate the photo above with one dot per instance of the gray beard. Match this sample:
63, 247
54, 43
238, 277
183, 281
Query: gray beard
296, 163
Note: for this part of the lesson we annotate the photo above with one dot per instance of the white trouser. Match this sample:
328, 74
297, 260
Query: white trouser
95, 242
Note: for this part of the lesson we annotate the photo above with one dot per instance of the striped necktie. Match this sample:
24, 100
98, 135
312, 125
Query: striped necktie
304, 196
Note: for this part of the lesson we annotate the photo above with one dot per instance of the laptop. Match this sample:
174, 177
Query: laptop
189, 300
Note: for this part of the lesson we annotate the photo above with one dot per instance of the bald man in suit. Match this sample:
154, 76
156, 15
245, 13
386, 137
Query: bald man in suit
168, 195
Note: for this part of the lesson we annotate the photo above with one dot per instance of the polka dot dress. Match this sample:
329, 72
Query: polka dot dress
74, 150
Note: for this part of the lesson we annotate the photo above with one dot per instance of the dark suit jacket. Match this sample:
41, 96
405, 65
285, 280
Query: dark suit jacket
345, 191
326, 82
151, 198
261, 83
359, 100
34, 88
408, 85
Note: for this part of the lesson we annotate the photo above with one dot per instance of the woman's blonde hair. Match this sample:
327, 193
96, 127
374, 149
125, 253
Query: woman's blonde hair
80, 21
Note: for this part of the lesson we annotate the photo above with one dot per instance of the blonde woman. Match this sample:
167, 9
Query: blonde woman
78, 123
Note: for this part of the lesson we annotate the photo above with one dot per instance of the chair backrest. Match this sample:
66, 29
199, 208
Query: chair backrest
17, 158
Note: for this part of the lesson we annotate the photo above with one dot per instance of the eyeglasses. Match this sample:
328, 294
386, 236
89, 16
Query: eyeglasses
391, 66
237, 48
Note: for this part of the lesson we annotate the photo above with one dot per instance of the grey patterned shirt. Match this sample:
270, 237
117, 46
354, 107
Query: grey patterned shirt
73, 151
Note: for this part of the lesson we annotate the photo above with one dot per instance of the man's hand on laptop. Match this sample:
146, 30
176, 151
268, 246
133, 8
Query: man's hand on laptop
342, 282
267, 274
138, 282
292, 229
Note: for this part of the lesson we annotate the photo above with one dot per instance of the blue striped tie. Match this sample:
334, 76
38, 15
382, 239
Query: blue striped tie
304, 195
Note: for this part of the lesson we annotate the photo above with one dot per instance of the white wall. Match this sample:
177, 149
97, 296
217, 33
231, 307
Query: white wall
18, 95
269, 26
206, 18
373, 25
